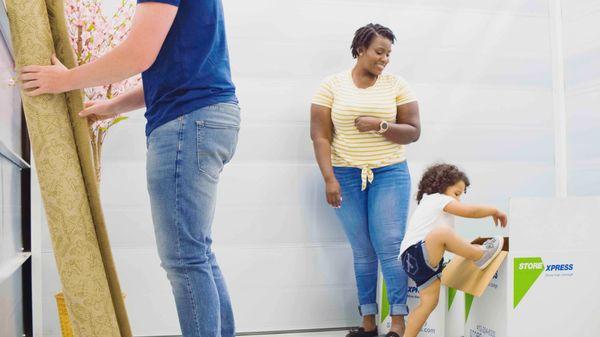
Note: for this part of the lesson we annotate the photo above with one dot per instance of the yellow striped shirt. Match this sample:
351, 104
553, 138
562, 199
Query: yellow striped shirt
365, 150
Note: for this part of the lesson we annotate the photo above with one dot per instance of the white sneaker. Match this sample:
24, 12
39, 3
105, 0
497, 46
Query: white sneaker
491, 248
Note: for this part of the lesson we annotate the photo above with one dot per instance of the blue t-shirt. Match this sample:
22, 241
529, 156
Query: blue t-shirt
192, 69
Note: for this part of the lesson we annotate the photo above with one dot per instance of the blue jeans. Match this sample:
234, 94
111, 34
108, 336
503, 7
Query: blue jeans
184, 160
374, 221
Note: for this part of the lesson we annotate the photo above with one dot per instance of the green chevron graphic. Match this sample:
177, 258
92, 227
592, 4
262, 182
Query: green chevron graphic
526, 272
468, 303
451, 295
385, 305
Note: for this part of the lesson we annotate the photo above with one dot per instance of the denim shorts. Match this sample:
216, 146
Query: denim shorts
416, 264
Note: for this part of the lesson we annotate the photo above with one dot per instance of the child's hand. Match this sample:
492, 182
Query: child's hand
500, 216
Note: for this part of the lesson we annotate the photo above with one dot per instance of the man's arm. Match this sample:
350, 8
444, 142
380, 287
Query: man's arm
127, 101
130, 100
151, 24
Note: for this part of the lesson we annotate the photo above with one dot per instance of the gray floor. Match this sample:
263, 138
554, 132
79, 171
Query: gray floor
340, 333
310, 334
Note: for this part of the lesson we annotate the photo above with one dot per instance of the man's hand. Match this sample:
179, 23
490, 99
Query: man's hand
366, 124
52, 79
98, 110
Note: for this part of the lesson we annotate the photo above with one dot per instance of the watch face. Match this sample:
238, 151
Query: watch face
383, 126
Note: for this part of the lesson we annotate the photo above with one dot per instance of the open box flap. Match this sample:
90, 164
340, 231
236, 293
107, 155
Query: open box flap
462, 274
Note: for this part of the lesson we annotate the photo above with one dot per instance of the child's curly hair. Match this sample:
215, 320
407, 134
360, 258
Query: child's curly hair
437, 178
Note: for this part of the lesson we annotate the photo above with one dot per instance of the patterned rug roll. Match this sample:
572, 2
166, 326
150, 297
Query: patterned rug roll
62, 153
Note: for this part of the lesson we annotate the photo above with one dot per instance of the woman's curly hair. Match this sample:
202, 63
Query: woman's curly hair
365, 35
437, 178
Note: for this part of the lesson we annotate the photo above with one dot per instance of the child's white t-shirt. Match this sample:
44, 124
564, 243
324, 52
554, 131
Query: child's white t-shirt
428, 215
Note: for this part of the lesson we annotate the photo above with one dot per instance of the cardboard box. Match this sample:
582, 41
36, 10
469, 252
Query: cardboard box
546, 284
436, 324
462, 274
454, 325
485, 284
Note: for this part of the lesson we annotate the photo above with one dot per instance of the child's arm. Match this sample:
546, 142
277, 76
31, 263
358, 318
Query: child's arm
476, 211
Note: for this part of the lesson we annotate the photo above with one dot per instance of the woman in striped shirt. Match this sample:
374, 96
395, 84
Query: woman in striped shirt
361, 120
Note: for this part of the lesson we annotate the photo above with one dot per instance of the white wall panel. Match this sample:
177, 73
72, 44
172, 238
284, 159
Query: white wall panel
582, 69
581, 22
296, 59
584, 124
576, 10
582, 32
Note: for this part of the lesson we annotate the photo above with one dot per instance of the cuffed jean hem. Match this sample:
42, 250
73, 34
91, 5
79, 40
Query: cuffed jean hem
398, 310
368, 309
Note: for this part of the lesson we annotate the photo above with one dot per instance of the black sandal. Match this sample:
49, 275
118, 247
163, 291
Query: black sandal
360, 332
392, 334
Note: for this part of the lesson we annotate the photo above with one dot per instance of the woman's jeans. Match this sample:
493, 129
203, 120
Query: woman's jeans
185, 158
374, 221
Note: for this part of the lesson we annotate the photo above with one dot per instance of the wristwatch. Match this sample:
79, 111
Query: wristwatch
383, 127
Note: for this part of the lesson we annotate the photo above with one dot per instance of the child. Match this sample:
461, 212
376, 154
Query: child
430, 233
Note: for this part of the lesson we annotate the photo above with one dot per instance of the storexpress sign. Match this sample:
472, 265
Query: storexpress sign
527, 270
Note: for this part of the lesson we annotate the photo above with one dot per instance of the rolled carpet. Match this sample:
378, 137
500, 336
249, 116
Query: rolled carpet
61, 150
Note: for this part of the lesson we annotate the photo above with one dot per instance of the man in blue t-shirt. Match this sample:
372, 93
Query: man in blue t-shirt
193, 120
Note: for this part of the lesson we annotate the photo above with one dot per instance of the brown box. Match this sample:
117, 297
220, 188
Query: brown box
462, 274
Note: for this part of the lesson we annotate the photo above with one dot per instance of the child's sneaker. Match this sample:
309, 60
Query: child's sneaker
491, 248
